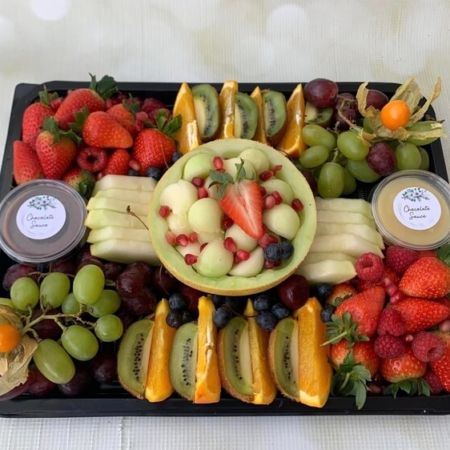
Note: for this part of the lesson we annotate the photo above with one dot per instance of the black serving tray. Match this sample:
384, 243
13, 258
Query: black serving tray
112, 400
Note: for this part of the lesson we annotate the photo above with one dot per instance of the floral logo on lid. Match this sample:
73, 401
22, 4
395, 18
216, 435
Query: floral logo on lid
415, 194
42, 202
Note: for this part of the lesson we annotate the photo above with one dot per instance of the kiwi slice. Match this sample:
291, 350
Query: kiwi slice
133, 356
235, 360
207, 111
283, 357
318, 116
275, 115
246, 116
183, 360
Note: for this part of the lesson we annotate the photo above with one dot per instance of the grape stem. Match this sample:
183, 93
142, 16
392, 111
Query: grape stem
29, 326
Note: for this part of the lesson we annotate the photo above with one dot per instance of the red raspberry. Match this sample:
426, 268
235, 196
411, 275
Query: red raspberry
363, 285
399, 258
427, 254
433, 381
92, 159
391, 322
369, 267
151, 104
427, 346
389, 347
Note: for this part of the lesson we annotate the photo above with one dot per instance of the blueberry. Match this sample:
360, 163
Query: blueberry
133, 173
177, 302
327, 312
262, 302
186, 316
174, 319
236, 304
154, 172
272, 252
218, 300
280, 311
266, 320
323, 291
176, 156
287, 249
222, 316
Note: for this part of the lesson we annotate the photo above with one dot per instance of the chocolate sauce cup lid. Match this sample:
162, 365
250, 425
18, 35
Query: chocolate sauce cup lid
41, 221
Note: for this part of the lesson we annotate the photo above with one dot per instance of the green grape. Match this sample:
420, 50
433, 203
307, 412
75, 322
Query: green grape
349, 183
361, 171
316, 135
109, 328
352, 146
54, 362
407, 156
7, 302
71, 306
331, 180
314, 156
79, 342
24, 293
54, 289
88, 284
424, 159
108, 303
426, 125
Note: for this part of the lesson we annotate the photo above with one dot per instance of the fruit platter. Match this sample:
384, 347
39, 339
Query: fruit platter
178, 249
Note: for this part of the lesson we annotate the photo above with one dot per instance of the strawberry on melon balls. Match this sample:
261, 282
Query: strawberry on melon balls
232, 217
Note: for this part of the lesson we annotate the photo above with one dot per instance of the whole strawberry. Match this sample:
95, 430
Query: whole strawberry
55, 149
118, 163
81, 180
399, 259
129, 115
363, 353
26, 165
427, 277
441, 366
154, 147
92, 98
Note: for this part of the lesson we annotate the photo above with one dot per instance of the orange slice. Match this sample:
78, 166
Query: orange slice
188, 136
260, 133
292, 143
314, 370
207, 384
264, 388
227, 105
158, 386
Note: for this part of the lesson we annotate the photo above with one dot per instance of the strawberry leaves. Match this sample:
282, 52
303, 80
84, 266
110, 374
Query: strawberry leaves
411, 386
223, 179
343, 327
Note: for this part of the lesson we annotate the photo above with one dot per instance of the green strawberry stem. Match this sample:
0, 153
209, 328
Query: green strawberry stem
106, 87
51, 125
410, 386
163, 124
343, 328
45, 98
444, 254
131, 105
223, 179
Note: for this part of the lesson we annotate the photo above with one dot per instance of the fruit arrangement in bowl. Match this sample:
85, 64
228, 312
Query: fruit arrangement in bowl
230, 250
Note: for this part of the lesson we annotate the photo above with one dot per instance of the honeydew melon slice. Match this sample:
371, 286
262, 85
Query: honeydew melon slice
344, 217
356, 205
315, 257
328, 271
107, 233
99, 218
139, 184
125, 251
360, 230
235, 285
121, 206
126, 195
347, 243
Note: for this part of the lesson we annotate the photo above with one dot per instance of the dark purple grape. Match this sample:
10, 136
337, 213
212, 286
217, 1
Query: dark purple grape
377, 99
41, 386
142, 269
381, 159
130, 284
350, 114
66, 266
47, 328
294, 291
321, 92
164, 282
142, 304
348, 100
113, 270
85, 253
311, 181
17, 271
80, 383
19, 390
192, 295
104, 368
126, 317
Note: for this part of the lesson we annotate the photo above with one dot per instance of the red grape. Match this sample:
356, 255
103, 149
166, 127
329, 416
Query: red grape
47, 328
192, 296
377, 99
321, 92
66, 266
130, 284
164, 282
113, 270
104, 368
381, 159
19, 390
142, 269
41, 386
294, 291
311, 181
141, 304
80, 383
17, 271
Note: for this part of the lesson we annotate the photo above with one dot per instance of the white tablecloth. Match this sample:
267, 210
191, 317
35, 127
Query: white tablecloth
214, 40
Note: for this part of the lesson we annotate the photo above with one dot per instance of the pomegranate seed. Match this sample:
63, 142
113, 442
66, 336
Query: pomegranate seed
408, 337
264, 241
171, 237
277, 168
134, 165
265, 228
277, 263
139, 126
164, 211
109, 103
203, 246
142, 116
236, 259
190, 259
445, 326
218, 162
266, 175
198, 182
99, 176
202, 193
227, 222
243, 255
276, 195
269, 202
269, 264
230, 244
397, 297
273, 239
182, 240
193, 237
262, 190
297, 205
